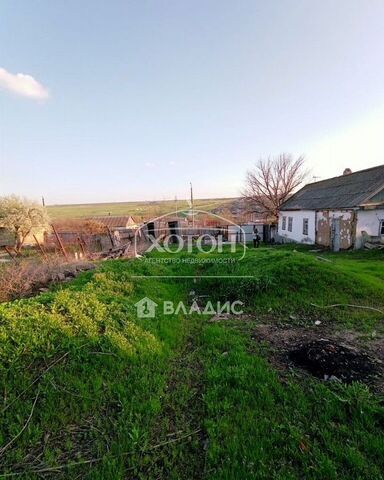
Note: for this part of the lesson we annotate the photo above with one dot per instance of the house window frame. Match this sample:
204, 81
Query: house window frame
381, 227
305, 226
290, 224
284, 222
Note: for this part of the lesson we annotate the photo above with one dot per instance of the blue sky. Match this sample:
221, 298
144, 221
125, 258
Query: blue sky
134, 99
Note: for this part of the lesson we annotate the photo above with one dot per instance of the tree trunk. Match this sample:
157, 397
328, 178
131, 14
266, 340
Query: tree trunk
20, 239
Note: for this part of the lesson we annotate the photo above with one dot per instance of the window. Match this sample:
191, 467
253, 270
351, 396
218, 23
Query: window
305, 226
284, 223
290, 222
381, 232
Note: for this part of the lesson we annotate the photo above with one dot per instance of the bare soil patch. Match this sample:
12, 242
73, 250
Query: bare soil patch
327, 359
341, 356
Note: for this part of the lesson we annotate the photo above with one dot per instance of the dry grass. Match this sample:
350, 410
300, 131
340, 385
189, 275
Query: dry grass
24, 277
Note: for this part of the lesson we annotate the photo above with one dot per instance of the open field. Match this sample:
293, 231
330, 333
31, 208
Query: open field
136, 209
91, 391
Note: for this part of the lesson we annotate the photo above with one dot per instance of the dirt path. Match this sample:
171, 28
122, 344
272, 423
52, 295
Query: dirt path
179, 427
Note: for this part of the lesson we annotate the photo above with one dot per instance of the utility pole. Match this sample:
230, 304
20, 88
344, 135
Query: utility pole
193, 215
43, 201
176, 204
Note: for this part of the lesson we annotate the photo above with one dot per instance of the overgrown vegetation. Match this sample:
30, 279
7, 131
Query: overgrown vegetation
24, 277
96, 372
91, 391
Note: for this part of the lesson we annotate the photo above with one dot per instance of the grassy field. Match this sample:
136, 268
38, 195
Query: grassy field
91, 391
138, 209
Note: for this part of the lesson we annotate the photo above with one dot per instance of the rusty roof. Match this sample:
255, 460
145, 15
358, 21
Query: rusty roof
112, 221
345, 191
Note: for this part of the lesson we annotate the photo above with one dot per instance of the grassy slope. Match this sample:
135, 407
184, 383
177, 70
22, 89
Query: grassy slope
127, 385
262, 428
139, 209
287, 281
101, 398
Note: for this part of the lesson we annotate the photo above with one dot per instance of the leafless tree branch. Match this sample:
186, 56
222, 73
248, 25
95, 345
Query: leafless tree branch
271, 182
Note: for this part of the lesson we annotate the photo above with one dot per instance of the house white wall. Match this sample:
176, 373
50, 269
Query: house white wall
368, 221
297, 226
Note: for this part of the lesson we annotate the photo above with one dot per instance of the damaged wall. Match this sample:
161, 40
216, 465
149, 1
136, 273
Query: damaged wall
346, 227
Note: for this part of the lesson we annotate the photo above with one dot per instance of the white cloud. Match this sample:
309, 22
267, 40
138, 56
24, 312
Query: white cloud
22, 84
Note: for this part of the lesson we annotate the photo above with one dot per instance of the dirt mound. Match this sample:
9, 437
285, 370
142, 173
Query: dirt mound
331, 361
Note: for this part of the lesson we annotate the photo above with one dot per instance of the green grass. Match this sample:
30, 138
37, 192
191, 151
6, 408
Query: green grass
136, 209
286, 281
117, 397
263, 428
101, 398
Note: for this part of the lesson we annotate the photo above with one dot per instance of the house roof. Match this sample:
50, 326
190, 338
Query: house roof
346, 191
112, 221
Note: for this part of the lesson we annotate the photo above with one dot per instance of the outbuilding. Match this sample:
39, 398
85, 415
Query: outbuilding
118, 222
341, 212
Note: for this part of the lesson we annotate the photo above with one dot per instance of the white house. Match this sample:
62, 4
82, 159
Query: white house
338, 212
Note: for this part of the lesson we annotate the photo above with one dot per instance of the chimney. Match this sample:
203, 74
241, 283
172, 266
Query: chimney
347, 171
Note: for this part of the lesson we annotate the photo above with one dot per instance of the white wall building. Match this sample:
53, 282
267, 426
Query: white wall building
339, 212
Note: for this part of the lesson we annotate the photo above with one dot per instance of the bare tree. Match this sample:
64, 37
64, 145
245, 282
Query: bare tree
271, 182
